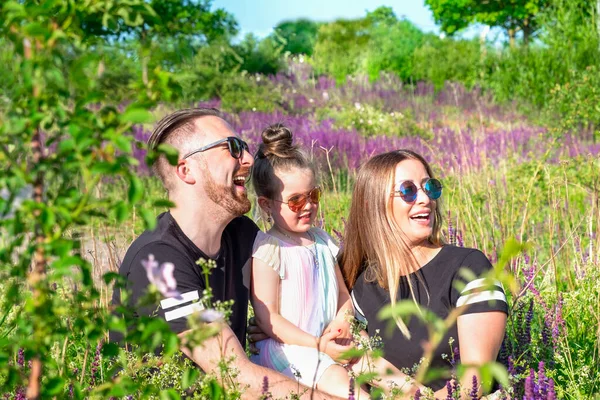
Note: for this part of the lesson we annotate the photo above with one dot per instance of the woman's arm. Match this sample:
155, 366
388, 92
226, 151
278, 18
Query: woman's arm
480, 336
265, 300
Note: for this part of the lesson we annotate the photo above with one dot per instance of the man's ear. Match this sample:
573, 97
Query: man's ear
265, 204
183, 171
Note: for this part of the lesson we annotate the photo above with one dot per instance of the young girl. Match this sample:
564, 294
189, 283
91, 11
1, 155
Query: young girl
298, 293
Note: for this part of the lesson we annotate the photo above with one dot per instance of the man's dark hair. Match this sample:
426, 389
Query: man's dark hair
174, 121
170, 129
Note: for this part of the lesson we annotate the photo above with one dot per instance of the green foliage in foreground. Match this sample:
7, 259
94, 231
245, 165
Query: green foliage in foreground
69, 179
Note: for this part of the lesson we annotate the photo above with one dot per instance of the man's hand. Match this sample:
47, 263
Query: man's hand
255, 334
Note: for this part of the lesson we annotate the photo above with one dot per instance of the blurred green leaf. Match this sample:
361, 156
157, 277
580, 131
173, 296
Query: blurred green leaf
121, 211
171, 344
149, 219
364, 378
190, 376
136, 116
215, 391
170, 152
53, 386
163, 203
110, 349
136, 189
169, 394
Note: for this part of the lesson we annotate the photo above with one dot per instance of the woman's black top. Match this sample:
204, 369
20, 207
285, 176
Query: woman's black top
453, 278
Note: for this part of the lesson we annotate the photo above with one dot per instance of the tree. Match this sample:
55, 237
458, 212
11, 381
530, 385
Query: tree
391, 48
169, 31
300, 35
511, 15
341, 46
260, 56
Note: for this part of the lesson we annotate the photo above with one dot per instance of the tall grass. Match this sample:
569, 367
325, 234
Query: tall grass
551, 207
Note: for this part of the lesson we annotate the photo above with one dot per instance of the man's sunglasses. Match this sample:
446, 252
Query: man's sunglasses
408, 190
297, 202
236, 147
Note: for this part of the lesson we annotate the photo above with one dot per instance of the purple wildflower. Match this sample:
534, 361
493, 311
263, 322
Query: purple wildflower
351, 389
265, 388
546, 333
451, 231
95, 364
511, 367
459, 239
417, 395
455, 356
542, 381
529, 386
551, 393
525, 334
474, 394
161, 276
450, 391
21, 357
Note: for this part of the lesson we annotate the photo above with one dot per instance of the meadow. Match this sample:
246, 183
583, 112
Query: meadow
505, 179
521, 183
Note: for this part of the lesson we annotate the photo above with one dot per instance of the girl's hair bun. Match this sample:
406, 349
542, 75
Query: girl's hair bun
277, 141
277, 152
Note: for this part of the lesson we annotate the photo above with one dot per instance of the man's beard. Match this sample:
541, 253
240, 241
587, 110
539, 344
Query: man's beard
226, 196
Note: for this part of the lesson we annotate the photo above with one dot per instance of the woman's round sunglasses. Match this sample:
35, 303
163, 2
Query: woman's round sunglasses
297, 202
236, 147
408, 190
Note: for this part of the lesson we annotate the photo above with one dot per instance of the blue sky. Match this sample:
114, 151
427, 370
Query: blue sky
260, 16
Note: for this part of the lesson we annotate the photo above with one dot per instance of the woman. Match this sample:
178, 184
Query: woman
393, 251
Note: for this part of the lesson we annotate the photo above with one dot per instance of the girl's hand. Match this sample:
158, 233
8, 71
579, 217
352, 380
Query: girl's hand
334, 346
342, 327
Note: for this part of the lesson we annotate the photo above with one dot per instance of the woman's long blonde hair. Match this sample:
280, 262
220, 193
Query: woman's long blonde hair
373, 241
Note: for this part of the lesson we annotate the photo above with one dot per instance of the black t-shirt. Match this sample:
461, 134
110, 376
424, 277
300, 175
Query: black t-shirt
168, 243
447, 289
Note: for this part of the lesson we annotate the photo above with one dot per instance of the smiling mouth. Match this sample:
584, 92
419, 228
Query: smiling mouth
421, 216
240, 180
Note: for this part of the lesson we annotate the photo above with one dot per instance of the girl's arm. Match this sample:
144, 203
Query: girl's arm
344, 301
265, 300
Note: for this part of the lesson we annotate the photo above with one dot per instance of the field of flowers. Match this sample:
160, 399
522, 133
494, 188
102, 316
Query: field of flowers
83, 82
506, 181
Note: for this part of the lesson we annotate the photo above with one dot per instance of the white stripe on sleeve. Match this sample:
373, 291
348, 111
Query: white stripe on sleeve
359, 314
480, 297
185, 298
483, 282
183, 311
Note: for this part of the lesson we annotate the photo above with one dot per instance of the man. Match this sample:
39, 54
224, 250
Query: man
208, 189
